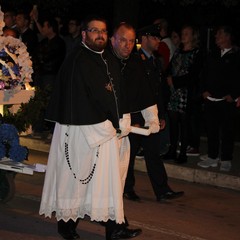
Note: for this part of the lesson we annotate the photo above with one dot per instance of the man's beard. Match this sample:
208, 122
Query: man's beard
98, 47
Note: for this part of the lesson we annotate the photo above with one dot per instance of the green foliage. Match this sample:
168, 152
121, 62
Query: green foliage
29, 113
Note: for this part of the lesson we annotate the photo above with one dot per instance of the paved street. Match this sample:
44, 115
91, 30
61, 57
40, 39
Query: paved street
204, 213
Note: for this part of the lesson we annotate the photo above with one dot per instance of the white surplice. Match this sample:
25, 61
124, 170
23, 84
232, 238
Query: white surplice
80, 148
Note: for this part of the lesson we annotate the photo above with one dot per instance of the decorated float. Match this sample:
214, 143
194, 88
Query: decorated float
15, 90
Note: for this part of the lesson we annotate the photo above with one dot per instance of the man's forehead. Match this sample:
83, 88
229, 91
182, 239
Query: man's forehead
125, 32
97, 23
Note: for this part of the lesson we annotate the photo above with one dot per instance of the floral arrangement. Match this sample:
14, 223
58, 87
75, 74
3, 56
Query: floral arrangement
15, 63
9, 144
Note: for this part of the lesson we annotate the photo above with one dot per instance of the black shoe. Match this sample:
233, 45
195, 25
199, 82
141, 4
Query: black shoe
125, 233
68, 229
70, 235
169, 196
182, 158
131, 196
169, 156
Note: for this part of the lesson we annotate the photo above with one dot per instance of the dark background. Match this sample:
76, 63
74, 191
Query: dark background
205, 14
141, 12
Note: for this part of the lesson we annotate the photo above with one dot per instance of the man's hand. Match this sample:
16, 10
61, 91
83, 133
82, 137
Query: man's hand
228, 98
125, 125
206, 94
153, 126
162, 124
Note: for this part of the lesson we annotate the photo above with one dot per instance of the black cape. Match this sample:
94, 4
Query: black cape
82, 94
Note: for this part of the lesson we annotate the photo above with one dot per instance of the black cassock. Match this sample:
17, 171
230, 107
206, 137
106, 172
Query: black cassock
87, 90
90, 89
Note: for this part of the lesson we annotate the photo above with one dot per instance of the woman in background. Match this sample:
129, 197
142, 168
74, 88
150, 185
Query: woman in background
183, 81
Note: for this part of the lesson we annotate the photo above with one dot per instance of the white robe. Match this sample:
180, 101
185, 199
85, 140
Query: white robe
102, 197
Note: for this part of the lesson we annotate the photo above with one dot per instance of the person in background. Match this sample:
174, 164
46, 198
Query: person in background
50, 54
166, 47
176, 37
10, 32
73, 38
10, 19
89, 152
27, 35
164, 52
183, 81
141, 74
220, 90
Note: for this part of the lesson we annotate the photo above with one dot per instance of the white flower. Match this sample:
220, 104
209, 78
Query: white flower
17, 51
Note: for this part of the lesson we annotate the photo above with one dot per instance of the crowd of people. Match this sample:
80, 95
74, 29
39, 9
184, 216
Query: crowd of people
101, 85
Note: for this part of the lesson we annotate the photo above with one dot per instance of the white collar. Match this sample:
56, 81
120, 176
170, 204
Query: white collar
225, 50
92, 49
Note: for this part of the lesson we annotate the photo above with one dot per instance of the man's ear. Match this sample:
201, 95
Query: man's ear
112, 39
83, 35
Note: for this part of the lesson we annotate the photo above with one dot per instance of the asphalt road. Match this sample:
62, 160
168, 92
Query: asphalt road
204, 213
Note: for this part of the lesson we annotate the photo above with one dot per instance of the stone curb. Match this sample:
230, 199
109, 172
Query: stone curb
196, 175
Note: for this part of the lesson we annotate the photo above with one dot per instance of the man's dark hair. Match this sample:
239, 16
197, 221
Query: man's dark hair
76, 19
229, 30
52, 22
25, 15
90, 18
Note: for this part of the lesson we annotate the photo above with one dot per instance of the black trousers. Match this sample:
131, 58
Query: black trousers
67, 227
220, 124
178, 131
155, 167
110, 227
194, 118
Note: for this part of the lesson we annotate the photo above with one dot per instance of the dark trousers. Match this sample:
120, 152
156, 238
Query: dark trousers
194, 118
155, 167
110, 227
67, 227
220, 119
178, 131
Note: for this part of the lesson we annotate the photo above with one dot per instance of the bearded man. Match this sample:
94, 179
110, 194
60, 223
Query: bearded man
89, 154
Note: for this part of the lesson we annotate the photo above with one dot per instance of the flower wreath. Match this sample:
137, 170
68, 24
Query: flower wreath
9, 144
16, 65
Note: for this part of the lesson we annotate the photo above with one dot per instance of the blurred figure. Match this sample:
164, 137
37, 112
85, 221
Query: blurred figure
166, 47
10, 32
27, 35
50, 54
176, 37
221, 86
10, 18
73, 38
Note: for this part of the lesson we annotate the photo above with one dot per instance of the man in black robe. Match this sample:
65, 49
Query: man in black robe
87, 94
140, 72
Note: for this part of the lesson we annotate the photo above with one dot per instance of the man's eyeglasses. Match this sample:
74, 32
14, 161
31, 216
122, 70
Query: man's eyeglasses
97, 31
